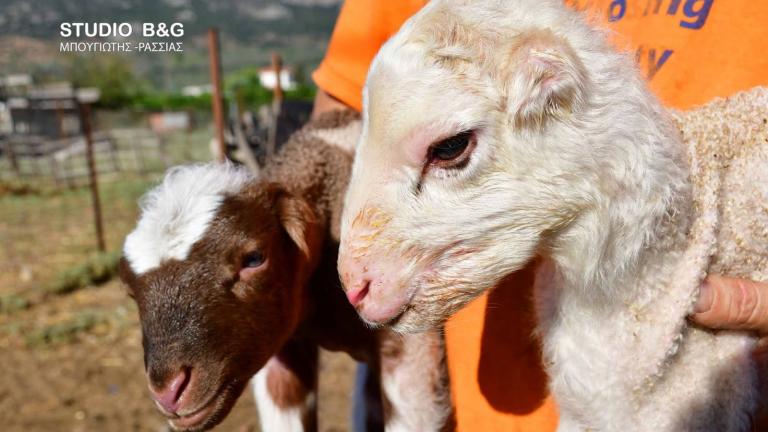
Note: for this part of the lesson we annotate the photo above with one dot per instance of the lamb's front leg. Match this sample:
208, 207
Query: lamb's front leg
285, 389
414, 380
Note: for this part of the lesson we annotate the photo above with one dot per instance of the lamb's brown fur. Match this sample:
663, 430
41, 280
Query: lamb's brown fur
315, 170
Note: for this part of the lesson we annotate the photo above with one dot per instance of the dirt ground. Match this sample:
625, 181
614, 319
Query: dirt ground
73, 362
94, 381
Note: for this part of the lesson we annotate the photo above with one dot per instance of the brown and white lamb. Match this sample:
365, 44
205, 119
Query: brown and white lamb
236, 276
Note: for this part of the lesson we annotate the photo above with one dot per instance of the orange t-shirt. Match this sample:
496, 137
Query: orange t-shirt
690, 51
361, 29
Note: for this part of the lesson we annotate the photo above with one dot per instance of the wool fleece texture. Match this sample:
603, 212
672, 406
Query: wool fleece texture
727, 141
649, 368
670, 383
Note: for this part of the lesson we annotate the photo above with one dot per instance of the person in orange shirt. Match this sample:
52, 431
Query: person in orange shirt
690, 51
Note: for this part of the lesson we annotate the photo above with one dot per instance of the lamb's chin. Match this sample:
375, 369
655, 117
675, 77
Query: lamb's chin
212, 413
414, 320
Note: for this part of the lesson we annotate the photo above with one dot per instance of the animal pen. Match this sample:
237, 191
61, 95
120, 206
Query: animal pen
54, 139
47, 142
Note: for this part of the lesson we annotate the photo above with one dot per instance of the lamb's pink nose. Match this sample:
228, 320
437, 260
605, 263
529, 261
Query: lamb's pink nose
357, 294
370, 287
356, 277
170, 395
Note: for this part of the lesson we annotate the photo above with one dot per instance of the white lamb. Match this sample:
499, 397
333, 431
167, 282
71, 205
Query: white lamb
498, 131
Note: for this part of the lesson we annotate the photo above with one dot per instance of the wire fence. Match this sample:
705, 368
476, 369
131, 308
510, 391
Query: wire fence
46, 207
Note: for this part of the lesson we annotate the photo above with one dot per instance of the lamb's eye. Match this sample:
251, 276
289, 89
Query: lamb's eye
253, 259
452, 152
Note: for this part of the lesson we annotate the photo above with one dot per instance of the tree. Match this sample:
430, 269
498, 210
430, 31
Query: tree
111, 74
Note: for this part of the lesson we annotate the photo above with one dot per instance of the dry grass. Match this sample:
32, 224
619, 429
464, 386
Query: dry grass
47, 234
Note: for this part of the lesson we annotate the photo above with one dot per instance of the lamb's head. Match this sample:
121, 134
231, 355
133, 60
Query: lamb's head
217, 266
476, 150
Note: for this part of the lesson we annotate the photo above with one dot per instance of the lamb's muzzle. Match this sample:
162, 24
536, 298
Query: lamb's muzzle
369, 283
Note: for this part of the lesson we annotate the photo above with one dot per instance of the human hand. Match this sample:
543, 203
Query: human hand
325, 102
738, 304
731, 303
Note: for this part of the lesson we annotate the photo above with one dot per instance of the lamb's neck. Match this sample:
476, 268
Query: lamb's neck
609, 251
293, 177
639, 282
315, 171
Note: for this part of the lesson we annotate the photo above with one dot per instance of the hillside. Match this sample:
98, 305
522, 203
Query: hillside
251, 29
241, 19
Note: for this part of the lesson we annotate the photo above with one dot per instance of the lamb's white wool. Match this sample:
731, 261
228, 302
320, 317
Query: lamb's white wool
397, 391
571, 159
176, 213
272, 417
407, 385
657, 370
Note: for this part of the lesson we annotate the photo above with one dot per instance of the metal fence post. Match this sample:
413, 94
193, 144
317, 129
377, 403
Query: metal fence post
218, 104
85, 118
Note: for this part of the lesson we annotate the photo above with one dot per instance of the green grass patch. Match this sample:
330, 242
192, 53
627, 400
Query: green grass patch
65, 331
97, 269
11, 303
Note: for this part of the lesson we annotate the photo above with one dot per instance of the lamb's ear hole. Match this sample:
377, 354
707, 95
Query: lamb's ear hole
545, 79
298, 220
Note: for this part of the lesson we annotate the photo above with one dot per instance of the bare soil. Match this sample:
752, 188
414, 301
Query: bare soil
92, 379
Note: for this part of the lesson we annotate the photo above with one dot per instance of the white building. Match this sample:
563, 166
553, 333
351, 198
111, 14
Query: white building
197, 90
267, 78
17, 80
